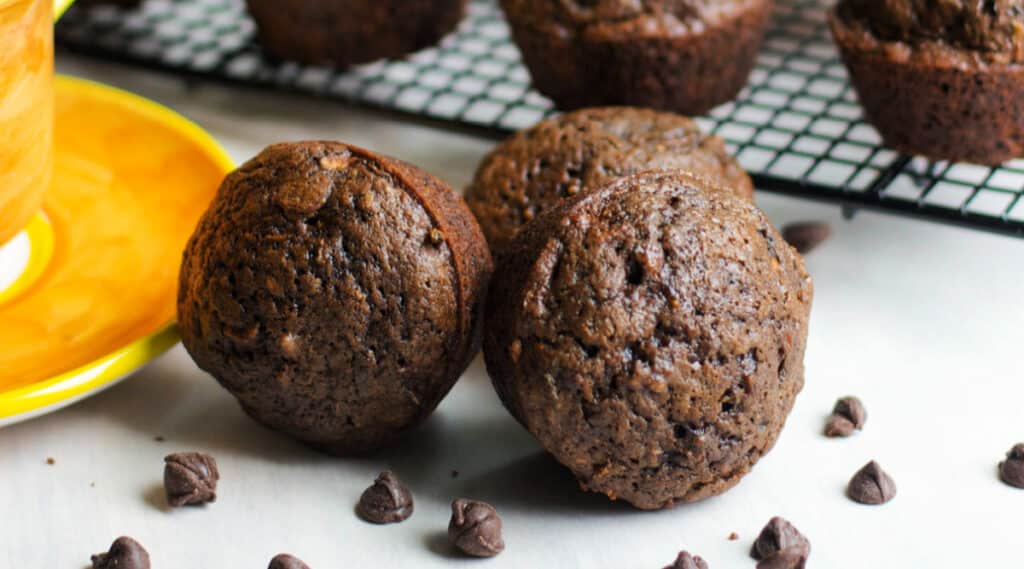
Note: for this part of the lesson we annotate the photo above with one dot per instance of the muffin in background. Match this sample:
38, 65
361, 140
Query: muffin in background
348, 32
681, 55
565, 155
940, 79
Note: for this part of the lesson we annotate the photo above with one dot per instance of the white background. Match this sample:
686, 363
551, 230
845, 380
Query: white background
925, 323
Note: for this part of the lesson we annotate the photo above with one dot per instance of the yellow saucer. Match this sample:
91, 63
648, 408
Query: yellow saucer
96, 297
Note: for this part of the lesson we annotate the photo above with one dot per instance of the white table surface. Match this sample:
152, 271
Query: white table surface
925, 323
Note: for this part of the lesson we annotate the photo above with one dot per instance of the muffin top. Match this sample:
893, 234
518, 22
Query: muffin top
568, 154
650, 334
336, 292
994, 27
636, 16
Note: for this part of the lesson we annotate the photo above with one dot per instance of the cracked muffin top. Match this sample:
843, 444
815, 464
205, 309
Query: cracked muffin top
597, 16
334, 291
568, 154
651, 335
994, 28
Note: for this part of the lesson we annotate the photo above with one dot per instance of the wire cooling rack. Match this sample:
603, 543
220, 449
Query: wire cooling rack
796, 127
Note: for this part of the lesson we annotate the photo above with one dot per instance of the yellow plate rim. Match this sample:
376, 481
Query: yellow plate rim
51, 394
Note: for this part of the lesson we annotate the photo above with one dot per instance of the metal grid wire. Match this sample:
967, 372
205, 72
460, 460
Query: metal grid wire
796, 127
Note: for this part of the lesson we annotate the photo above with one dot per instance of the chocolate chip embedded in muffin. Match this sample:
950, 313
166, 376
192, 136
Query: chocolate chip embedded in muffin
337, 293
941, 79
569, 154
651, 334
347, 32
681, 55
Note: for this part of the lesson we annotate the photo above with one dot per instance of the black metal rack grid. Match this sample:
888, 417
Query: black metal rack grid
796, 127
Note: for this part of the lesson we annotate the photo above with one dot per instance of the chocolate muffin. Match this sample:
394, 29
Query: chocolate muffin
680, 55
348, 32
940, 79
335, 292
650, 334
567, 154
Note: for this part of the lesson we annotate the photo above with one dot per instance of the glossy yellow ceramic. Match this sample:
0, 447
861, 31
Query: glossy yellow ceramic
130, 182
26, 110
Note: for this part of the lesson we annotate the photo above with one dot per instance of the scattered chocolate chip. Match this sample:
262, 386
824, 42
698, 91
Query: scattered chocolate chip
475, 528
387, 501
847, 416
806, 236
124, 553
838, 427
851, 409
455, 474
871, 485
50, 461
190, 478
158, 439
790, 558
778, 535
285, 561
687, 561
1011, 470
733, 536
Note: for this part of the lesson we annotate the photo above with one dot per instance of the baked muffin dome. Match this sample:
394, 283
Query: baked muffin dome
335, 292
565, 155
651, 334
347, 32
680, 55
941, 79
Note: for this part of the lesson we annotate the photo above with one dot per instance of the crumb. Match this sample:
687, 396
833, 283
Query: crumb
158, 439
50, 461
734, 536
455, 474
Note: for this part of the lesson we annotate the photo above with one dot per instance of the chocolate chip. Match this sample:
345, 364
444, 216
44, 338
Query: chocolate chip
871, 485
475, 528
806, 236
386, 502
285, 561
190, 478
687, 561
789, 558
125, 553
158, 439
838, 427
733, 536
851, 409
50, 461
455, 474
1011, 470
778, 535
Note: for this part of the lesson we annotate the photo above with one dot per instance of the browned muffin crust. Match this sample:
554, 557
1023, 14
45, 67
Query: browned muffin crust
949, 87
337, 293
682, 55
651, 335
348, 32
564, 155
994, 28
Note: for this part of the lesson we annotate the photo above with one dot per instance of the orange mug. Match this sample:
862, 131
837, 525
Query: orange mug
26, 109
